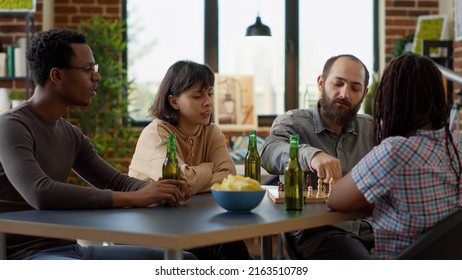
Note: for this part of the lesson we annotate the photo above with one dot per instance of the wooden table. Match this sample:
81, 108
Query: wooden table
198, 222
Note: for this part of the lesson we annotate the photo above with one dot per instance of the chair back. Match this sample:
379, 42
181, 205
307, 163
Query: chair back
441, 242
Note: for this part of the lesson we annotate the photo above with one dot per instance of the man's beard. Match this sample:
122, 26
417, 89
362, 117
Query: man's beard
338, 114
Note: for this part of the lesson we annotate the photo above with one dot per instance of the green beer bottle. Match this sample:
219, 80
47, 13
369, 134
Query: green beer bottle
293, 183
171, 167
252, 158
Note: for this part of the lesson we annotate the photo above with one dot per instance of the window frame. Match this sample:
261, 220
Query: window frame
291, 73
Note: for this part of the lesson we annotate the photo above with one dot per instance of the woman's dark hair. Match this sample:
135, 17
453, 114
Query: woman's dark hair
410, 95
49, 49
181, 76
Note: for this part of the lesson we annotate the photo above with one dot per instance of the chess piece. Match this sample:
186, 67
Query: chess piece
309, 193
320, 193
308, 182
280, 186
331, 184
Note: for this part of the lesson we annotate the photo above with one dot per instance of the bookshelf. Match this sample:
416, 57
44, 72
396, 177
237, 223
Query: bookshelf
22, 81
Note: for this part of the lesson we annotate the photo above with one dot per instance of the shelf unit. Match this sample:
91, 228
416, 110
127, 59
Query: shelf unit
446, 58
29, 29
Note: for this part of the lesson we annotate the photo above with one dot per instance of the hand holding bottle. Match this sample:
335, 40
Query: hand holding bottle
186, 190
171, 167
169, 190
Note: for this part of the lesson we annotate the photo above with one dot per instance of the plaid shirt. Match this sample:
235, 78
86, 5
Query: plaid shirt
413, 186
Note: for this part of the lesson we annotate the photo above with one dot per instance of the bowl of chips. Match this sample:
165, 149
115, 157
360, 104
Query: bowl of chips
238, 194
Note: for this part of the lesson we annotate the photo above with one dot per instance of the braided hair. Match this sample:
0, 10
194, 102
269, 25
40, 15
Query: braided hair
410, 95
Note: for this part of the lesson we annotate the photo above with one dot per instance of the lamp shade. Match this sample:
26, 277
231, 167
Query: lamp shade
258, 29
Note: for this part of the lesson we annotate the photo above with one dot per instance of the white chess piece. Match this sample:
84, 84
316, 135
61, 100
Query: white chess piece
310, 192
320, 193
331, 185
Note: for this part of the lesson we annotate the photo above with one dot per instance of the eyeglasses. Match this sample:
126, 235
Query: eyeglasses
90, 69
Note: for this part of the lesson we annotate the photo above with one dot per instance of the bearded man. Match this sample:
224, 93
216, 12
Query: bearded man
333, 138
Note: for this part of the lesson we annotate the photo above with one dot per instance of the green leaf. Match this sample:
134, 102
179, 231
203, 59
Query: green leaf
105, 120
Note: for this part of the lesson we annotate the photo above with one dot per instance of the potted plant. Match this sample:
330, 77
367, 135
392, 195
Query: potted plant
105, 120
17, 98
369, 99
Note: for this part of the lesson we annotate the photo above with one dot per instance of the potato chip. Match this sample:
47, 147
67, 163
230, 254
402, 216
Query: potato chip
237, 183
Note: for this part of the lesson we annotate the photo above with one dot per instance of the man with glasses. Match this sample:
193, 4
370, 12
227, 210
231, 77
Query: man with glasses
38, 149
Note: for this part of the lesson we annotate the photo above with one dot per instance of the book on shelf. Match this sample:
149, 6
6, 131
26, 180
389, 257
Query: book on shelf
2, 64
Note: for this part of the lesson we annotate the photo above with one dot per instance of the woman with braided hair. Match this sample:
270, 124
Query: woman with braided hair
411, 178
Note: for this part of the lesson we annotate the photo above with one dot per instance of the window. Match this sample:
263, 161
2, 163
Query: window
326, 32
260, 57
160, 32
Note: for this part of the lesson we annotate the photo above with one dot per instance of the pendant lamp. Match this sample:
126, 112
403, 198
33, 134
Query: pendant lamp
258, 29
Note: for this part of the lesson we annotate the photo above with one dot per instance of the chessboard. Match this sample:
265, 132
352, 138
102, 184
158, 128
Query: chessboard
278, 197
321, 195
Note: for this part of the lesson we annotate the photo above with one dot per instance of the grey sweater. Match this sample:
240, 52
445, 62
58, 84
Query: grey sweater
36, 157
